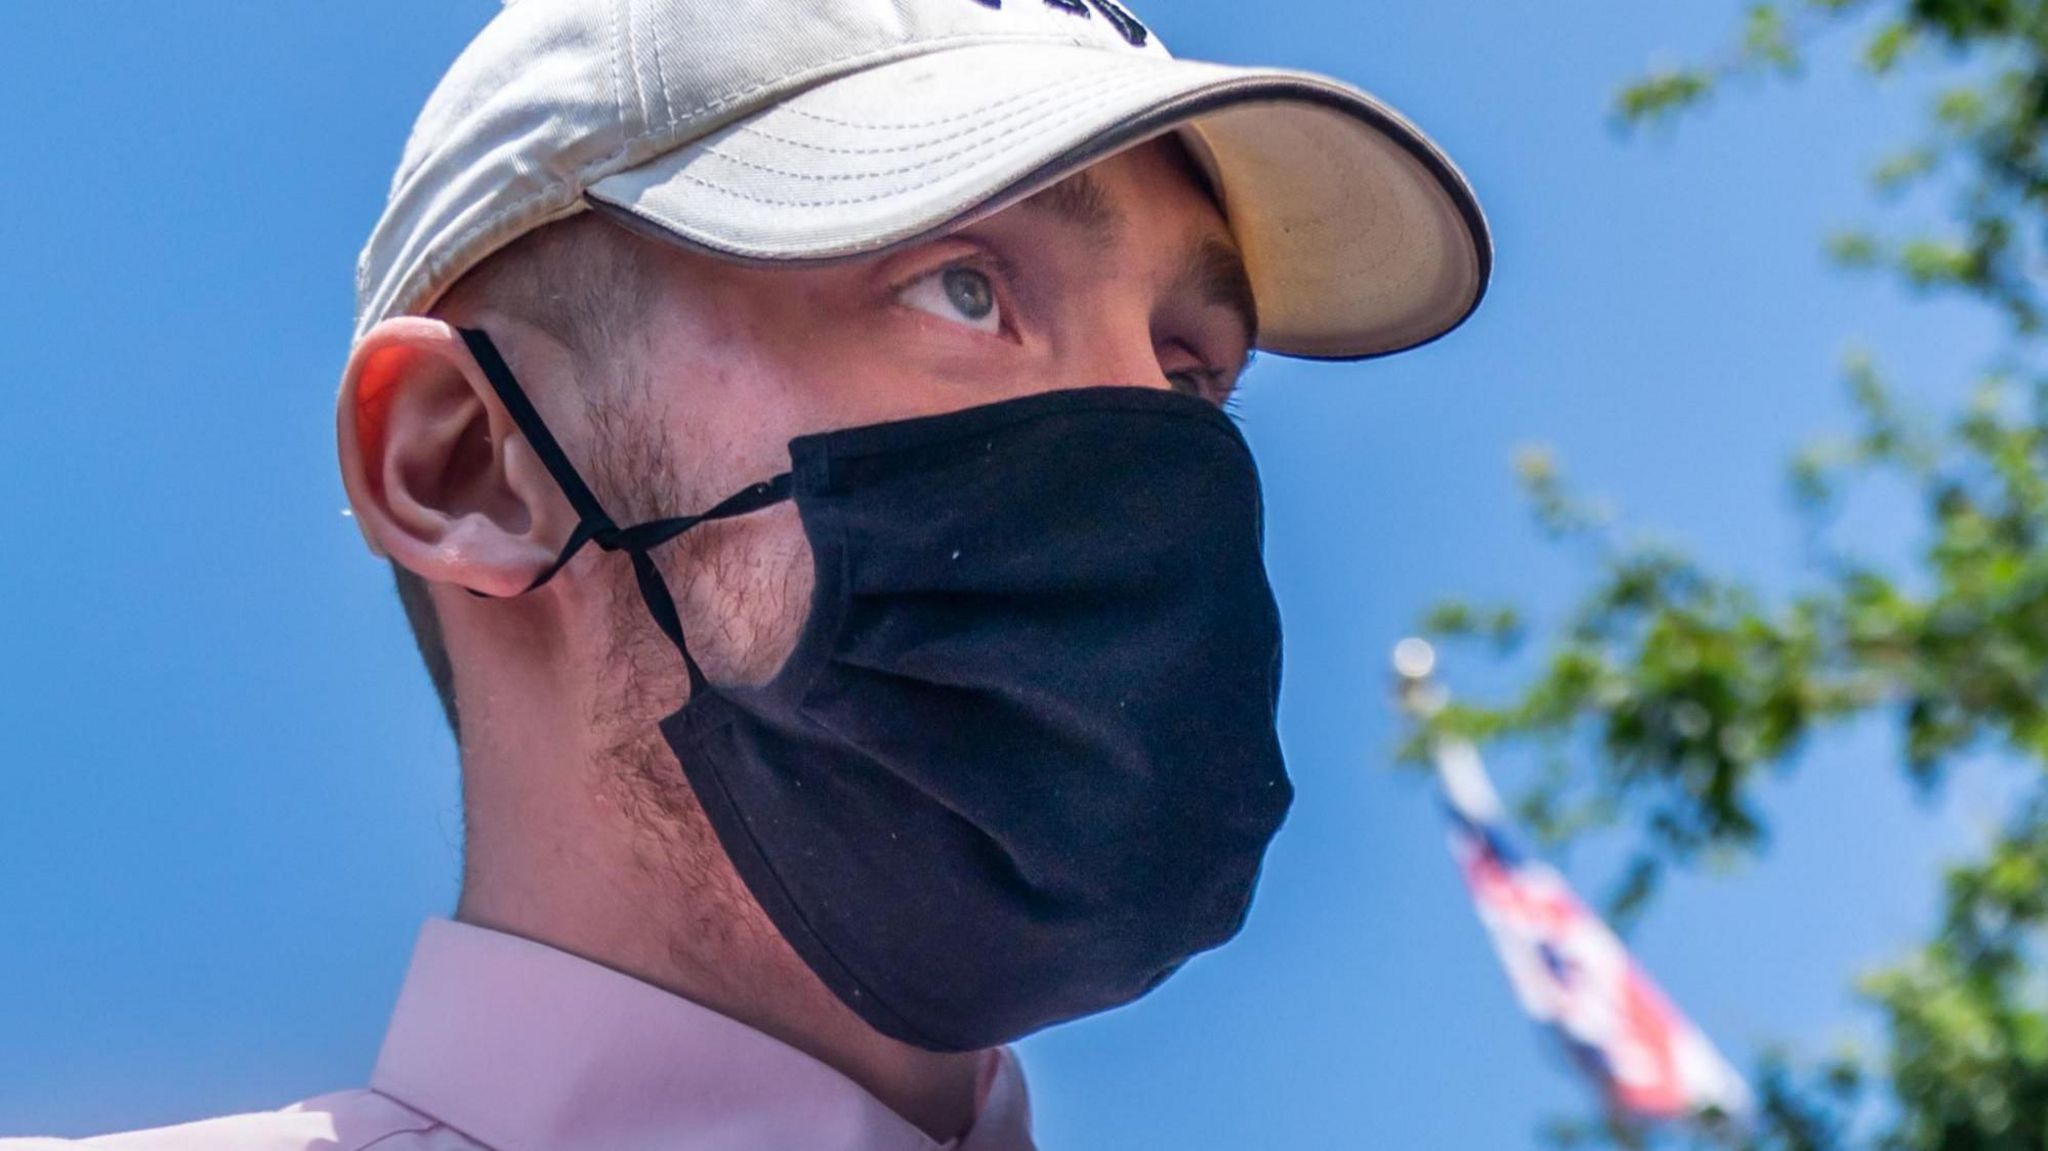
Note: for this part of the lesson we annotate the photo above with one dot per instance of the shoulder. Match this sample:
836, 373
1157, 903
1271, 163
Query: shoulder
348, 1121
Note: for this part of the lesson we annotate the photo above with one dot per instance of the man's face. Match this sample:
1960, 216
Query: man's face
1125, 275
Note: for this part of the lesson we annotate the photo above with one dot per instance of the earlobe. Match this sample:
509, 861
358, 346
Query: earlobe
430, 462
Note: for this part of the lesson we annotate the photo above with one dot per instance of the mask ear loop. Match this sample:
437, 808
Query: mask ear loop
594, 525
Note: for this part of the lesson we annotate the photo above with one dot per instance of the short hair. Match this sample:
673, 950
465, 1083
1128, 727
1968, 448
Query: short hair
588, 284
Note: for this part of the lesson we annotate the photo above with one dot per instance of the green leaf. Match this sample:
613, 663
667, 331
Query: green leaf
1767, 39
1661, 95
1892, 42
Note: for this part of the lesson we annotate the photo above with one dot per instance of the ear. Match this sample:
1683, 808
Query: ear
440, 479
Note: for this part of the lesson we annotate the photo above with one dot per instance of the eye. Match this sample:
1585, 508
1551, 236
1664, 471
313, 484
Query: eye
1201, 383
966, 296
1191, 374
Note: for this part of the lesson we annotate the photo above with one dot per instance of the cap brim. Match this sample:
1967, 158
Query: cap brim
1361, 238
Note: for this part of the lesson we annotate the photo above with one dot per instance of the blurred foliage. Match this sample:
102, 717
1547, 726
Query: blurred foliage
1694, 687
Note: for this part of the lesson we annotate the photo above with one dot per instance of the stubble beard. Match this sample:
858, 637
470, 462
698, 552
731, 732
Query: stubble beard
706, 919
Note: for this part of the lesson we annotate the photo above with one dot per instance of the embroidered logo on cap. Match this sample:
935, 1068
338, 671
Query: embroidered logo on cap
1119, 17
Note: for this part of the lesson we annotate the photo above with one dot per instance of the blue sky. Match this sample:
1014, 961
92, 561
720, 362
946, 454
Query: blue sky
230, 799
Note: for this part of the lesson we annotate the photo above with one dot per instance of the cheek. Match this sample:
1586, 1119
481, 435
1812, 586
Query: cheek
786, 585
753, 596
844, 358
731, 418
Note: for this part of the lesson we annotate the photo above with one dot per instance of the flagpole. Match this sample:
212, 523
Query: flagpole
1458, 767
1414, 665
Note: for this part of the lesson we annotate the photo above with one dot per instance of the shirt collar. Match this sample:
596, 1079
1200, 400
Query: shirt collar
526, 1048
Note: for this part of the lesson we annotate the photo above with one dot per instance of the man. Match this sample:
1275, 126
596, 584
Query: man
795, 429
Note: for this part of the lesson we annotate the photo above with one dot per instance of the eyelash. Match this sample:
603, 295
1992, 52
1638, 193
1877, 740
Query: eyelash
1211, 381
1002, 273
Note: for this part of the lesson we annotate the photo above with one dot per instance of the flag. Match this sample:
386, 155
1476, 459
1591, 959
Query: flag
1573, 975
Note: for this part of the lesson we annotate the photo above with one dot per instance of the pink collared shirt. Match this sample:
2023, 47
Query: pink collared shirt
502, 1044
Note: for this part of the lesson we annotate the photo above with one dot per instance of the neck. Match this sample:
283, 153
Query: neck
616, 864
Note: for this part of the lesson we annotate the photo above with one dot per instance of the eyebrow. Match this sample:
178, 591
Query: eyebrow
1214, 272
1081, 201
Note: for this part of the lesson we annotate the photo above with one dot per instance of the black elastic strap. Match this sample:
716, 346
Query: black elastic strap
594, 524
536, 431
748, 499
662, 606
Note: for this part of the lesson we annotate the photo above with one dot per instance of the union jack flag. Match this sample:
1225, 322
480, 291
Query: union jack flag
1573, 976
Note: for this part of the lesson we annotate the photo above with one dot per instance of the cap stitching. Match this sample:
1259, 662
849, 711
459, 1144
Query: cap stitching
668, 107
958, 116
611, 20
909, 50
640, 93
985, 143
1095, 88
405, 298
1039, 97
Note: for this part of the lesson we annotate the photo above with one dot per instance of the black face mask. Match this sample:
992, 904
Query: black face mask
1022, 763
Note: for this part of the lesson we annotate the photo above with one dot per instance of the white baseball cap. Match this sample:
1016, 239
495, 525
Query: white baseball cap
782, 131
